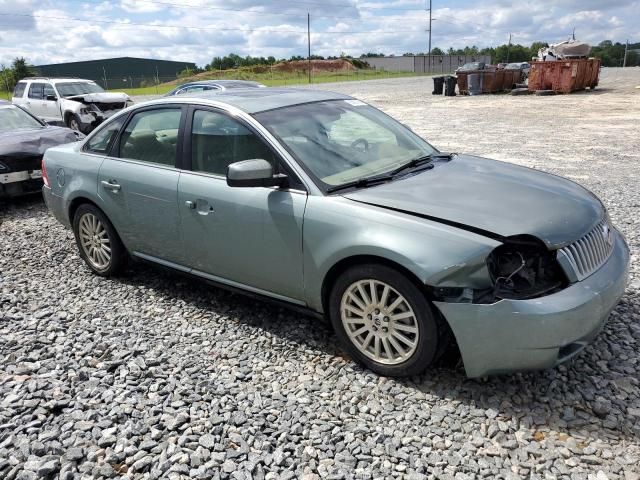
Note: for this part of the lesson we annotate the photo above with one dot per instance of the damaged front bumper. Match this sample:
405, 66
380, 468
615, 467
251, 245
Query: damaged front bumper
92, 118
519, 335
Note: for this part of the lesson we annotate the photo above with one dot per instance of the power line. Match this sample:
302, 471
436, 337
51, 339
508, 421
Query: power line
235, 29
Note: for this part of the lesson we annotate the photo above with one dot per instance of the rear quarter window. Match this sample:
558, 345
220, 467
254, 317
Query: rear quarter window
101, 141
18, 92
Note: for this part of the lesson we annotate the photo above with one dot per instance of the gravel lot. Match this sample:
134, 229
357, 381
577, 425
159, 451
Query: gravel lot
157, 376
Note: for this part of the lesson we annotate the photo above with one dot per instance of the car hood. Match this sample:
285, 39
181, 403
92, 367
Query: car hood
102, 97
28, 142
494, 198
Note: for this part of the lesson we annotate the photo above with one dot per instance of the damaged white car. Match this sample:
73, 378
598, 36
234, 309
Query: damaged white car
73, 102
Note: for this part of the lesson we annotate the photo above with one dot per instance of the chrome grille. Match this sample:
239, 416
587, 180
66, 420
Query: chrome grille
582, 258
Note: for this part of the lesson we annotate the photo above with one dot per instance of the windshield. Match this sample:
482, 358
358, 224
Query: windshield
12, 118
342, 141
77, 88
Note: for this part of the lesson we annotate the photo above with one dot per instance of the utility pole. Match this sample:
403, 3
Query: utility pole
429, 54
104, 76
309, 43
509, 49
626, 48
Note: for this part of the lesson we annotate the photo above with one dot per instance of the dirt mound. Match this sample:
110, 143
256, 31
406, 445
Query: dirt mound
316, 65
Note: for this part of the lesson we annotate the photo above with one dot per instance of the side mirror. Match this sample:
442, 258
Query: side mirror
253, 173
51, 98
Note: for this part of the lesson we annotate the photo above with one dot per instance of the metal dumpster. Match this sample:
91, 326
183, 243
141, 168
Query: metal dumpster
488, 81
474, 81
564, 76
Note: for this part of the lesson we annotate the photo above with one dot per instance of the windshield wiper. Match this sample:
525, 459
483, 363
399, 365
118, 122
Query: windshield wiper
377, 179
362, 182
425, 159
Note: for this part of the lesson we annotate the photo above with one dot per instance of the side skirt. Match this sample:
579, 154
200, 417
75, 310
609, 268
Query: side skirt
230, 285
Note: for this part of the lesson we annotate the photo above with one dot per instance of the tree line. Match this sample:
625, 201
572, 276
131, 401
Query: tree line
611, 54
10, 75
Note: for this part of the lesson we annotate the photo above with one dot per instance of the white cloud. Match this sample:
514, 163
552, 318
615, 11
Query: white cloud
279, 27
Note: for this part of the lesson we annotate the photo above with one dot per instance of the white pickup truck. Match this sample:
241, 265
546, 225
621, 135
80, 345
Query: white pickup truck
73, 102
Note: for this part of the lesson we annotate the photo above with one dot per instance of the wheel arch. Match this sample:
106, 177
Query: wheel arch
66, 116
76, 202
447, 339
348, 262
80, 200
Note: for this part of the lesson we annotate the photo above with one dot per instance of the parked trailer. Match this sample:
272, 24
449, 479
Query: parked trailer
564, 76
490, 81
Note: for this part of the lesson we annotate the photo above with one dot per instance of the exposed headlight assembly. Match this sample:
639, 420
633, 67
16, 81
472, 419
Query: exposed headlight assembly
523, 268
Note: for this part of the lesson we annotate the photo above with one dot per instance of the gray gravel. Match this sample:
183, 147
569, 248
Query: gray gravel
157, 376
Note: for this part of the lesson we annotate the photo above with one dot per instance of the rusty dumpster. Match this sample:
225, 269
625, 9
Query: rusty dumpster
490, 80
564, 76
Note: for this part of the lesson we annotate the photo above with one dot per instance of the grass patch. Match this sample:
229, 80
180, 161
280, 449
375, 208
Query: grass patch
272, 79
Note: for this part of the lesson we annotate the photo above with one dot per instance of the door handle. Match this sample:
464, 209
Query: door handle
190, 205
111, 185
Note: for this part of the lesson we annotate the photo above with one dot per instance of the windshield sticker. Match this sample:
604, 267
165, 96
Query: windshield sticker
356, 103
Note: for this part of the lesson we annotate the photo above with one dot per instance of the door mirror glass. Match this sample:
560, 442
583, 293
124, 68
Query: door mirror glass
51, 98
253, 173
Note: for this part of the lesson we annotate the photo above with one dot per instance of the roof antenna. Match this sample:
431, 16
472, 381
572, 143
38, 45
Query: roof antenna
574, 33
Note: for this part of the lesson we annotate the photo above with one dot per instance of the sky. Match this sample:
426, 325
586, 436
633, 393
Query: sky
52, 31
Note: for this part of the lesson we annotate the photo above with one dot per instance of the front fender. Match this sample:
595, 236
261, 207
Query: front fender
70, 106
336, 229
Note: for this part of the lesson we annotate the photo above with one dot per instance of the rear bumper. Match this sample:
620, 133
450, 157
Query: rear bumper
55, 204
518, 335
20, 183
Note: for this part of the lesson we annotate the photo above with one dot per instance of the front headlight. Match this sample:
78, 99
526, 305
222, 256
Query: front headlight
523, 268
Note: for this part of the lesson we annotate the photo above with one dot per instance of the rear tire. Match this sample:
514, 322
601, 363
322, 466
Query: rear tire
384, 321
98, 242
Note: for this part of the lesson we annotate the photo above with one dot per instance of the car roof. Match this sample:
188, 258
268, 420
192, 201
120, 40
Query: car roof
255, 100
221, 82
56, 80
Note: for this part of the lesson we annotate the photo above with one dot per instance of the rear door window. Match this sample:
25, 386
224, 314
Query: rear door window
36, 91
152, 136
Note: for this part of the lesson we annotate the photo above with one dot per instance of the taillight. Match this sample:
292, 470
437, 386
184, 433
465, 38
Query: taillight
45, 177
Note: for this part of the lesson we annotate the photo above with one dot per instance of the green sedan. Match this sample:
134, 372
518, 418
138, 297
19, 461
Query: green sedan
324, 203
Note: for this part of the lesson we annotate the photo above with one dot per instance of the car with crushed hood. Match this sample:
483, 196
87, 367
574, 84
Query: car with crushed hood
76, 103
321, 202
23, 141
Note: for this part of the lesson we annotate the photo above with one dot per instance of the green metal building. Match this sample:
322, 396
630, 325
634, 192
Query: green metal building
122, 72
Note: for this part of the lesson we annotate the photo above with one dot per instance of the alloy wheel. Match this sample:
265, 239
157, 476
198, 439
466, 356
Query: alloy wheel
379, 321
95, 241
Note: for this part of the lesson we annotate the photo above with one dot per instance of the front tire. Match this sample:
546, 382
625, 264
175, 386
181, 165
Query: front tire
98, 242
384, 321
73, 122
